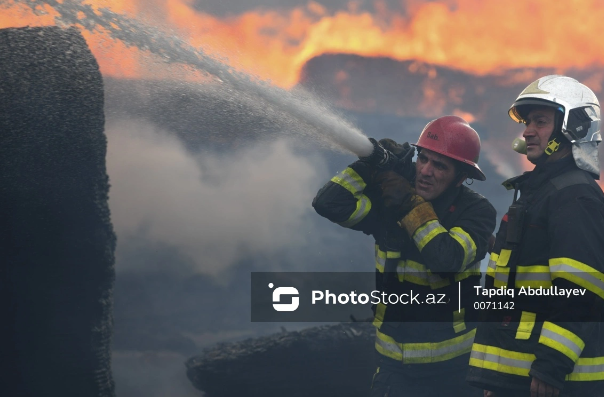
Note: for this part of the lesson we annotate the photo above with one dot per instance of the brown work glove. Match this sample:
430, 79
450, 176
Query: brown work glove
397, 193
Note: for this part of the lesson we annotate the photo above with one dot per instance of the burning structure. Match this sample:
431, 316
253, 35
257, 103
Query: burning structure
389, 69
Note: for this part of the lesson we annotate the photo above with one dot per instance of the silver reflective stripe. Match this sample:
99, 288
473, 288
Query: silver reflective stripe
469, 251
492, 264
423, 353
418, 237
389, 346
423, 274
579, 274
359, 213
562, 340
412, 272
493, 358
531, 276
588, 369
380, 262
503, 277
427, 277
355, 185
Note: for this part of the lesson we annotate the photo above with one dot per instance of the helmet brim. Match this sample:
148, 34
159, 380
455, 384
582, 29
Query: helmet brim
517, 115
474, 171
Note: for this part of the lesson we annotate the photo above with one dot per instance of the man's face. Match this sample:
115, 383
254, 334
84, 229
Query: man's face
434, 173
539, 127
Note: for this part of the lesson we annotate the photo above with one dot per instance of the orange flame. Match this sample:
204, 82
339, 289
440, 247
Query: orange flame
476, 36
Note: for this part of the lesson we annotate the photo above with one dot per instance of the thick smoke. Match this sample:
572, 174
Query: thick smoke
214, 209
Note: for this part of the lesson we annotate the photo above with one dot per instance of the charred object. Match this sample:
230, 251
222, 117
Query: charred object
322, 361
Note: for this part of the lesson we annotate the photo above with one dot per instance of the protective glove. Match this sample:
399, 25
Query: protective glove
379, 157
397, 193
404, 153
400, 150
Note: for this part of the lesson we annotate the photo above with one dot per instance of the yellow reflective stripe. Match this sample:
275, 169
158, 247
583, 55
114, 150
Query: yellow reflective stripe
502, 274
380, 312
500, 360
388, 347
380, 260
493, 259
533, 276
492, 265
417, 353
587, 369
400, 272
458, 321
425, 233
381, 257
363, 208
466, 242
578, 273
473, 270
515, 363
498, 268
416, 273
527, 323
562, 340
504, 257
430, 352
350, 180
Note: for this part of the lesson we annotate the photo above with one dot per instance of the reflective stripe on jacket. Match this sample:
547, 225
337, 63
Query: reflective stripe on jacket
557, 339
440, 254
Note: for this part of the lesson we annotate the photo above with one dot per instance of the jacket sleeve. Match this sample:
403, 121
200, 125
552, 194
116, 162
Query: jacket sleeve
576, 239
347, 201
452, 250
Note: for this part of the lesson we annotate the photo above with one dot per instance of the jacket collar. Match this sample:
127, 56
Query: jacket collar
443, 203
546, 171
540, 173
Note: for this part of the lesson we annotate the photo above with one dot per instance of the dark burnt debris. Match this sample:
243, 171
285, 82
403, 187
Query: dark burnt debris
322, 361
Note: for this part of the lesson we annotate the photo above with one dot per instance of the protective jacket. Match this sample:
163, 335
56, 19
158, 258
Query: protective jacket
551, 241
439, 255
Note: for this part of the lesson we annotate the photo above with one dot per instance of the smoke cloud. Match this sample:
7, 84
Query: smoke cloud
214, 209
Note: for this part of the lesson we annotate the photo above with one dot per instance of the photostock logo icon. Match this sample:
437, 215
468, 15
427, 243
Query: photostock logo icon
285, 307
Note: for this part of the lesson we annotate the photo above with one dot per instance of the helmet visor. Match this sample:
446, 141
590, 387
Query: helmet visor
522, 107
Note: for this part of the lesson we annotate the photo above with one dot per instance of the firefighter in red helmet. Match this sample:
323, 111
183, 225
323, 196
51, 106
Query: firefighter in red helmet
431, 232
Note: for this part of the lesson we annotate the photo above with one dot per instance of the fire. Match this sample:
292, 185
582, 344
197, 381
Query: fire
476, 36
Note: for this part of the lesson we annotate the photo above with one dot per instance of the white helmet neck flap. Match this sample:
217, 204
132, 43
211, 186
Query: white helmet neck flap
581, 114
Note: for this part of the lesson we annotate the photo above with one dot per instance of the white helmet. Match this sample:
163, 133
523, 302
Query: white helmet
580, 111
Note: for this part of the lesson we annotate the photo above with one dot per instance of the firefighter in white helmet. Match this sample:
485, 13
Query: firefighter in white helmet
549, 242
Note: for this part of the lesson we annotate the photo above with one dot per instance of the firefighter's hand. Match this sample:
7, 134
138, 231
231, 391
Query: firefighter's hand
491, 243
541, 389
397, 193
399, 149
488, 393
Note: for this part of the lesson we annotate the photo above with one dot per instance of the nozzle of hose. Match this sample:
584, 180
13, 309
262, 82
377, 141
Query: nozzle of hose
379, 157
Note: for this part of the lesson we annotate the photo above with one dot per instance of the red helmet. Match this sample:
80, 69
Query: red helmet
453, 137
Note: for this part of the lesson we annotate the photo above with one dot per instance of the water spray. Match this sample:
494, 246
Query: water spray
299, 104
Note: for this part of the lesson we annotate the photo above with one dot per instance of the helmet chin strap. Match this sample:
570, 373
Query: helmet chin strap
555, 142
